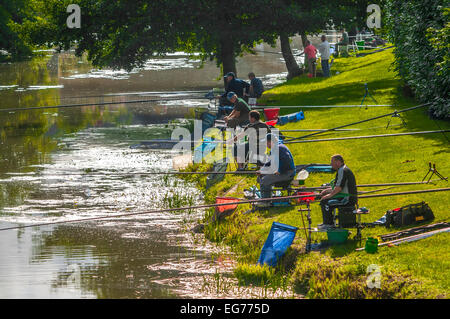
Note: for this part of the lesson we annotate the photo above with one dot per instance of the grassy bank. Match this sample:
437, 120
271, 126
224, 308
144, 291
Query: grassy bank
418, 269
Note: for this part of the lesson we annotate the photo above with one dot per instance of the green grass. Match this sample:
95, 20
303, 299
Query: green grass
411, 270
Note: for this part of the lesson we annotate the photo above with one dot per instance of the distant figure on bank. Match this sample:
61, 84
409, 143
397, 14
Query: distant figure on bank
324, 50
285, 171
240, 151
310, 54
256, 86
239, 114
342, 193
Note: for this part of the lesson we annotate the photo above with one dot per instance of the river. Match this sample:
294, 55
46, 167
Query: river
72, 163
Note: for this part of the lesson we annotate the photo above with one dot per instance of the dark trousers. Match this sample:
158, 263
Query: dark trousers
329, 205
325, 68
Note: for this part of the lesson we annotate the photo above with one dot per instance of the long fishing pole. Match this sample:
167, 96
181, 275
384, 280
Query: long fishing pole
151, 93
366, 120
214, 205
158, 211
258, 107
294, 141
94, 104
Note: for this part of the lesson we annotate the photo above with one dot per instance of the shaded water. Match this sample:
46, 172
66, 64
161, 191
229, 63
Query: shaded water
63, 164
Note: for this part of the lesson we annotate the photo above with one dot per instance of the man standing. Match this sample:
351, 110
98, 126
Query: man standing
344, 41
239, 114
310, 54
324, 49
256, 86
342, 193
285, 170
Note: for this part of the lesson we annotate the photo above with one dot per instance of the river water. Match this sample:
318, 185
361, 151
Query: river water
72, 163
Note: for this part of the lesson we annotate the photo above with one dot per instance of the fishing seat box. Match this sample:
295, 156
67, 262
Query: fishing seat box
346, 216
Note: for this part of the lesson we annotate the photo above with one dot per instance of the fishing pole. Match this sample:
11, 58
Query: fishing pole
294, 141
112, 95
93, 104
314, 106
214, 205
341, 130
167, 210
366, 120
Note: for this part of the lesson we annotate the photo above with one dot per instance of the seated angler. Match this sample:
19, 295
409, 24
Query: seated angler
235, 85
239, 114
256, 86
281, 170
343, 192
256, 132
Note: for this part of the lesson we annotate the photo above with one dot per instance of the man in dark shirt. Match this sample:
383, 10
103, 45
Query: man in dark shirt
256, 86
253, 131
284, 171
342, 193
235, 85
239, 115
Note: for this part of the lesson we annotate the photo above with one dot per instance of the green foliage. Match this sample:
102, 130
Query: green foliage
420, 31
12, 14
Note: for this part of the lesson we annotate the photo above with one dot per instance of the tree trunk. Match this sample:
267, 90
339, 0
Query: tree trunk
291, 65
227, 55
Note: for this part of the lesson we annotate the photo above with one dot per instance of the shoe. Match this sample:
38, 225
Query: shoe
325, 226
264, 204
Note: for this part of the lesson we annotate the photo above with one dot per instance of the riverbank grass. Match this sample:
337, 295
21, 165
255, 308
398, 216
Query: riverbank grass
411, 270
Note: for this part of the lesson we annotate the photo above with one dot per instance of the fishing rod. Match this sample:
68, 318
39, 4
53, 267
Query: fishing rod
167, 210
341, 130
152, 93
367, 120
294, 141
314, 106
213, 205
94, 104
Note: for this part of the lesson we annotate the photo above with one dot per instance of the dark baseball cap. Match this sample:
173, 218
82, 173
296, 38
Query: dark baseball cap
230, 74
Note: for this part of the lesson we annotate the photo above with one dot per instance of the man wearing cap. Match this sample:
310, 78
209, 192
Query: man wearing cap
239, 115
235, 85
343, 193
282, 169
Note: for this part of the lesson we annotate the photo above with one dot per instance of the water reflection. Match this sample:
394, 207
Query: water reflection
63, 164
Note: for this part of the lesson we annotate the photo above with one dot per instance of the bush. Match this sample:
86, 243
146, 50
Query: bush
420, 32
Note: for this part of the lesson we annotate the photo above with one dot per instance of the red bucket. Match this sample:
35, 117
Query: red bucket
271, 114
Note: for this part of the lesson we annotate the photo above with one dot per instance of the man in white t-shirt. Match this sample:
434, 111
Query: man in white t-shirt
324, 49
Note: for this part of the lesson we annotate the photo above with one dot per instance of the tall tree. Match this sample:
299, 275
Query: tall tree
125, 33
12, 14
